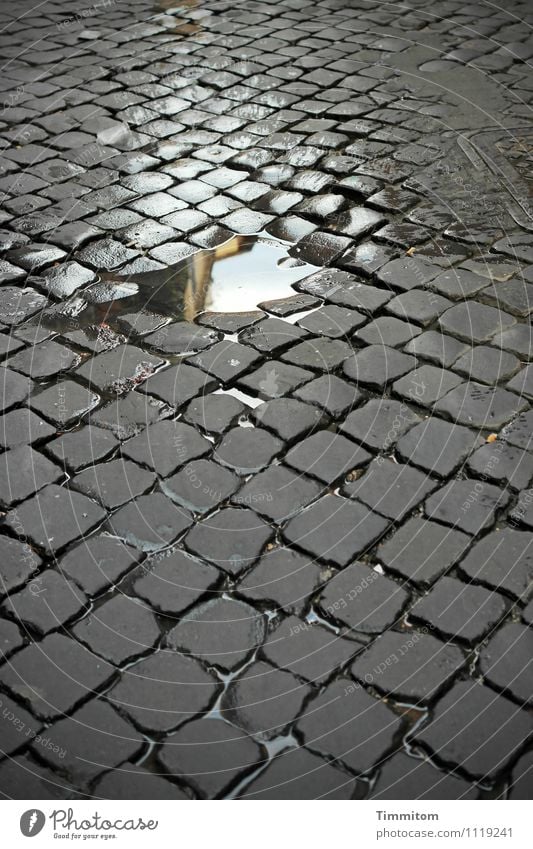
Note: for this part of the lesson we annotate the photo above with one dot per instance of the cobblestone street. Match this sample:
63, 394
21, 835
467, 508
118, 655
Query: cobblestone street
266, 487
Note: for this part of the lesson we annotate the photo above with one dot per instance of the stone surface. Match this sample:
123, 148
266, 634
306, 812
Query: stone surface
298, 774
119, 630
460, 610
362, 599
420, 551
504, 662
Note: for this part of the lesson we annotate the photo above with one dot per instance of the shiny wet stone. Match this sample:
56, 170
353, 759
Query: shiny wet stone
129, 415
97, 563
165, 446
421, 551
64, 403
331, 394
64, 602
17, 562
504, 661
468, 505
114, 483
403, 777
150, 522
44, 361
438, 446
226, 360
287, 417
391, 489
362, 599
134, 782
247, 450
277, 493
201, 485
119, 370
121, 629
182, 337
271, 335
81, 447
172, 581
23, 472
14, 388
460, 610
298, 774
178, 384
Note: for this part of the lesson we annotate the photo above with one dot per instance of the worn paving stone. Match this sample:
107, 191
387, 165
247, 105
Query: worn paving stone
247, 450
114, 483
11, 738
23, 472
22, 427
79, 448
502, 560
468, 505
331, 394
232, 538
417, 665
504, 661
128, 416
419, 307
182, 338
379, 423
226, 360
163, 691
377, 365
475, 323
201, 486
362, 599
172, 581
271, 335
14, 388
284, 579
150, 522
17, 562
421, 551
165, 446
426, 385
502, 463
288, 418
458, 610
277, 493
24, 778
97, 563
487, 742
299, 774
350, 726
210, 769
335, 322
487, 365
121, 629
16, 304
11, 638
178, 384
326, 456
119, 370
64, 403
44, 361
438, 446
391, 489
133, 782
520, 785
402, 777
63, 601
480, 406
274, 379
438, 348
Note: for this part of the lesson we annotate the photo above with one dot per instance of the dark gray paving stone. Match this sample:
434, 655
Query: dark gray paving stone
264, 700
166, 445
119, 370
516, 339
346, 723
11, 735
274, 379
23, 472
288, 418
308, 651
480, 406
16, 305
327, 456
377, 365
484, 745
458, 610
97, 563
114, 483
408, 272
335, 322
379, 423
519, 431
475, 322
505, 661
210, 755
134, 782
522, 383
214, 413
17, 562
391, 489
458, 283
55, 517
54, 676
321, 248
387, 330
172, 581
201, 485
107, 741
486, 364
128, 416
522, 513
47, 603
119, 630
503, 560
502, 463
163, 691
419, 307
468, 505
182, 337
226, 360
11, 638
14, 388
403, 777
299, 774
521, 778
271, 335
65, 279
221, 631
106, 255
277, 493
426, 385
438, 348
362, 599
24, 778
438, 446
230, 322
283, 579
23, 427
527, 614
335, 529
9, 345
44, 361
232, 538
288, 306
331, 394
82, 447
408, 665
247, 450
178, 384
421, 551
150, 522
64, 403
318, 354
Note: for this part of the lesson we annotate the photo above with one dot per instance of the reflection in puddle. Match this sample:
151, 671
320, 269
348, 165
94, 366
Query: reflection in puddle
232, 278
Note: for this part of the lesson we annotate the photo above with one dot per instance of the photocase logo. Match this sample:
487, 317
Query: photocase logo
32, 822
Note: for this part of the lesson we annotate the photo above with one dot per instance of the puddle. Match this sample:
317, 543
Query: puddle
234, 277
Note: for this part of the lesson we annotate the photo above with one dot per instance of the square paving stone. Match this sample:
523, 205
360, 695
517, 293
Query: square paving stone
17, 562
272, 335
172, 581
522, 383
247, 450
362, 599
426, 385
23, 427
288, 418
201, 485
387, 330
64, 403
436, 347
331, 394
16, 304
379, 423
318, 354
277, 493
520, 783
182, 337
232, 538
504, 560
128, 416
520, 431
166, 445
335, 322
178, 384
327, 456
163, 691
335, 529
419, 307
480, 406
119, 630
150, 522
459, 610
377, 365
438, 446
133, 782
346, 723
475, 322
55, 675
522, 513
226, 360
421, 551
502, 463
23, 472
284, 579
81, 447
505, 662
91, 741
11, 736
14, 388
408, 665
210, 755
274, 379
475, 729
11, 638
27, 779
403, 777
221, 631
408, 272
517, 339
55, 517
487, 365
114, 483
45, 360
263, 700
468, 505
215, 412
47, 603
119, 370
97, 563
390, 488
299, 774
